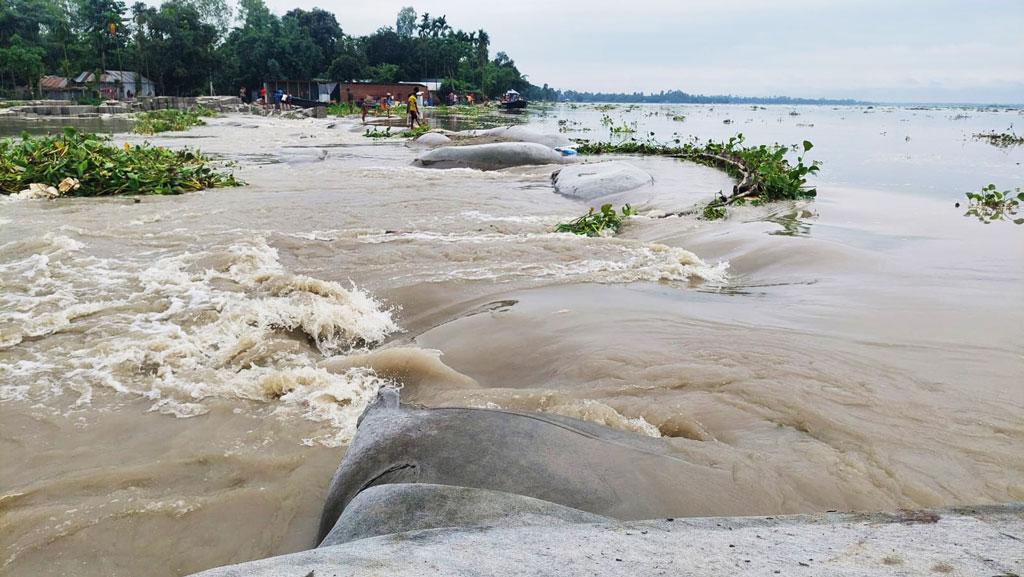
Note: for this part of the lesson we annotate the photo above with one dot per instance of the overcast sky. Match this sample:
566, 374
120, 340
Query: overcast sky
891, 50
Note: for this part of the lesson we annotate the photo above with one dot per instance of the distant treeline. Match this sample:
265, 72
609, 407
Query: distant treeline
675, 97
185, 46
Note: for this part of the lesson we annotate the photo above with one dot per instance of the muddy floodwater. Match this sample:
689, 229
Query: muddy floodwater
179, 376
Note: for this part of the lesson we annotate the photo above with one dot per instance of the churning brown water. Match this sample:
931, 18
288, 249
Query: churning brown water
179, 377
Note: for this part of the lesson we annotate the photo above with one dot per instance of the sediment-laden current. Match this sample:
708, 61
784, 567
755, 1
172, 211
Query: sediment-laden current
179, 376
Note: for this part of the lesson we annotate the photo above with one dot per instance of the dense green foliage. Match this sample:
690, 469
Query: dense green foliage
102, 169
763, 172
171, 119
990, 204
185, 46
597, 223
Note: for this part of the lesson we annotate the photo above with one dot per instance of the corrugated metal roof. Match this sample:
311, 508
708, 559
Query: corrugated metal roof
53, 82
112, 77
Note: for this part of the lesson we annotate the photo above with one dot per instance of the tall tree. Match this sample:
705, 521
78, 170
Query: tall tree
405, 24
249, 49
102, 24
179, 47
322, 29
21, 63
216, 13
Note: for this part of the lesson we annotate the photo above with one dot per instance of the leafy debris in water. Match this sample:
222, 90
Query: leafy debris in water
100, 169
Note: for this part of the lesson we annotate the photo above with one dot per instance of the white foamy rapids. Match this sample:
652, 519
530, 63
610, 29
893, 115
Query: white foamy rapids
224, 323
507, 257
602, 414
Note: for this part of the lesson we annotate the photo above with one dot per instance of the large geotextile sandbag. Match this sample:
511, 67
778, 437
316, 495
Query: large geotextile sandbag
397, 508
523, 134
594, 180
431, 139
491, 156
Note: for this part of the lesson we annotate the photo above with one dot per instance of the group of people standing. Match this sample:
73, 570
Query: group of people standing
454, 98
414, 104
281, 98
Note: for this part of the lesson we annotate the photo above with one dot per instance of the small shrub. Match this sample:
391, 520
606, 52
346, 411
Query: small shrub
713, 212
597, 223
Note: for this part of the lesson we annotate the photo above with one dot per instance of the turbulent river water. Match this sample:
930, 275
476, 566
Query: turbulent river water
179, 376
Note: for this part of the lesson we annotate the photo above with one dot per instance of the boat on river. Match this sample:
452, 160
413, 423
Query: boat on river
512, 100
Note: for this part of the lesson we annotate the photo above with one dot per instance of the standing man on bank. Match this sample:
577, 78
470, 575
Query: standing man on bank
414, 109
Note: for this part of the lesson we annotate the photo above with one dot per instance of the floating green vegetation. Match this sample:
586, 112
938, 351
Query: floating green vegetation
170, 119
763, 172
712, 212
467, 110
679, 118
624, 128
81, 164
420, 130
1000, 139
990, 204
377, 133
598, 223
605, 107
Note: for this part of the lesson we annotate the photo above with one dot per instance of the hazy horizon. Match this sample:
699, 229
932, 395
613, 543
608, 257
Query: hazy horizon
914, 51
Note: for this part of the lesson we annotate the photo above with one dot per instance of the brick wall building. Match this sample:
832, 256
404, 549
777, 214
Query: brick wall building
399, 90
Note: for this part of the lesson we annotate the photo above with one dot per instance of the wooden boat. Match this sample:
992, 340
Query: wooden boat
512, 100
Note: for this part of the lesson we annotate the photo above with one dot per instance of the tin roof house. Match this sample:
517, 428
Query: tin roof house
118, 83
58, 88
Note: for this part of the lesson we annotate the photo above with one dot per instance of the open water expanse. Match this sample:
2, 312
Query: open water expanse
179, 377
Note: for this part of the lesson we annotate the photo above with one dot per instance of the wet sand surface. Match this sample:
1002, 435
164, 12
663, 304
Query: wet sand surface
179, 377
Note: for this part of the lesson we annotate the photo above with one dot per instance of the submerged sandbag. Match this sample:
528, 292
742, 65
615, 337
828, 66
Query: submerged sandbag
401, 507
492, 156
594, 180
523, 134
558, 459
431, 139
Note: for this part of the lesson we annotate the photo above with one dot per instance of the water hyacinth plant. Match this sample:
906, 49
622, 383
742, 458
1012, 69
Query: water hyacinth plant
157, 121
101, 169
598, 223
990, 204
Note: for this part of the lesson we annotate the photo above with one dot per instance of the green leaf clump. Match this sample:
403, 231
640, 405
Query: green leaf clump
102, 169
990, 204
377, 133
168, 120
598, 223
